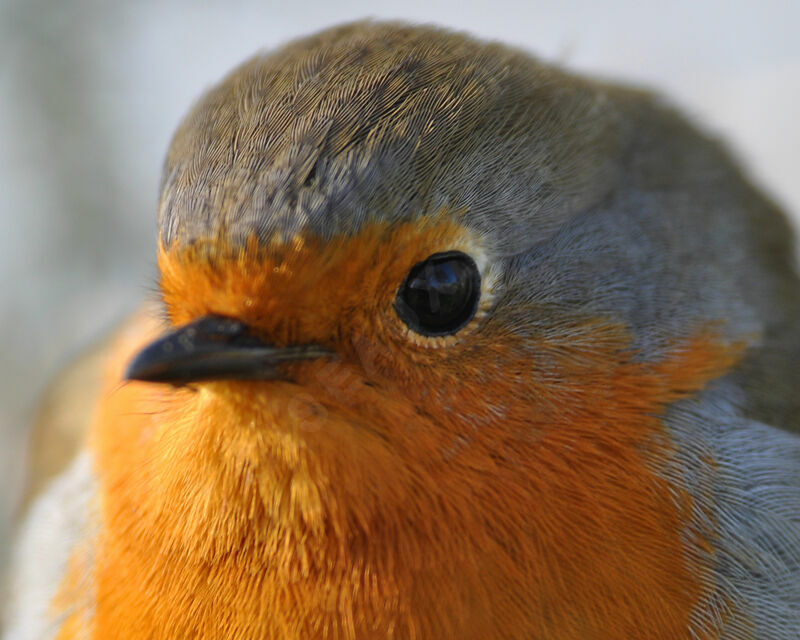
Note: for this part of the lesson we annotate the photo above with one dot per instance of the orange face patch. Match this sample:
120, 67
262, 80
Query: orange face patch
304, 289
502, 486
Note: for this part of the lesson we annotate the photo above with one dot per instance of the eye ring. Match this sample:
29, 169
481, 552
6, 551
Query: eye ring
440, 294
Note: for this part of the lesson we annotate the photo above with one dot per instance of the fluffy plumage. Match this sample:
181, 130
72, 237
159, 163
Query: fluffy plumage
605, 451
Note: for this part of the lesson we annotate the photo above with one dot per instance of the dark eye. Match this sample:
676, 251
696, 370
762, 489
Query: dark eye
439, 295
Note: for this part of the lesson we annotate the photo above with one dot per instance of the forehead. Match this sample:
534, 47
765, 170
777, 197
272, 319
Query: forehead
383, 123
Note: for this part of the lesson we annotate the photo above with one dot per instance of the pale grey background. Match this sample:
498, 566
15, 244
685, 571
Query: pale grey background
90, 92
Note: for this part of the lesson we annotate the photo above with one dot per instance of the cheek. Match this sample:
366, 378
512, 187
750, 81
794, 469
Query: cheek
419, 402
374, 404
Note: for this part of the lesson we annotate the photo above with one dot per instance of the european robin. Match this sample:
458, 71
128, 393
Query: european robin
454, 344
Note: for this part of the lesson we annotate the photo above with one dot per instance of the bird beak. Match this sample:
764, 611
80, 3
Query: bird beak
214, 348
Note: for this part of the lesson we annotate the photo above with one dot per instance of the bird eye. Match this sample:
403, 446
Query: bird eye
439, 295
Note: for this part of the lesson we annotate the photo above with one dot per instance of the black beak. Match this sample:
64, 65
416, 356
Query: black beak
214, 348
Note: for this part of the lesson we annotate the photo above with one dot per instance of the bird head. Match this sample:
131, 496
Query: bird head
430, 300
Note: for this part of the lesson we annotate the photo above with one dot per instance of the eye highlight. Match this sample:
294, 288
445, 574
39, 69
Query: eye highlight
440, 294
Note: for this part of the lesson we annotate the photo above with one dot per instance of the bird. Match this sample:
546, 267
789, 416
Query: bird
448, 343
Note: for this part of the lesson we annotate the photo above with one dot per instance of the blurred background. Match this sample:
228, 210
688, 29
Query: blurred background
90, 91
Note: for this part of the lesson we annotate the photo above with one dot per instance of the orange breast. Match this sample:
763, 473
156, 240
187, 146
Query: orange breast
488, 489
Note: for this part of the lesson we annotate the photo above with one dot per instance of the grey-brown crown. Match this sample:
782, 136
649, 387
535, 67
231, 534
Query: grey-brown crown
386, 121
